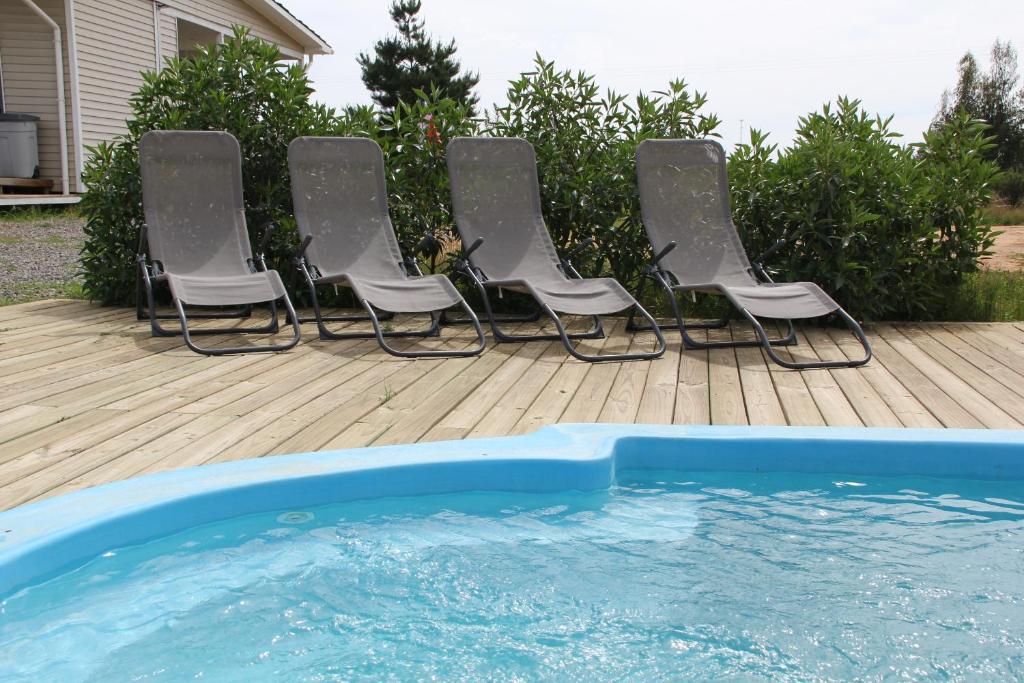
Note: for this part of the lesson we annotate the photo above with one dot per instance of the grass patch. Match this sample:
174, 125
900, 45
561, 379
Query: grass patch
4, 239
987, 296
56, 240
23, 292
31, 214
1005, 215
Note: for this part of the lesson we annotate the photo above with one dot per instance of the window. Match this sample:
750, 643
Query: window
192, 36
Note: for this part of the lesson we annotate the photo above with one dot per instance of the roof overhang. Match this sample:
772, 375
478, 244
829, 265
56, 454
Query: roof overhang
312, 43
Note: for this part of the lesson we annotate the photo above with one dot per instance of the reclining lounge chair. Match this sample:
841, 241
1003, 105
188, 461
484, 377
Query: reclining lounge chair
341, 208
496, 202
684, 199
195, 237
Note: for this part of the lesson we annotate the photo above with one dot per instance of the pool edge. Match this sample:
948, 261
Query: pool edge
39, 538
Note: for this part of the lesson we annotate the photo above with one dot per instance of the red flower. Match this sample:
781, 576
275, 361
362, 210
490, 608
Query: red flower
433, 136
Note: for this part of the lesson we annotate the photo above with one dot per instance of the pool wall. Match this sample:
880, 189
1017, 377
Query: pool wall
41, 539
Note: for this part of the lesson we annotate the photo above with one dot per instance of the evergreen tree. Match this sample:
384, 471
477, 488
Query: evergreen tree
994, 97
413, 61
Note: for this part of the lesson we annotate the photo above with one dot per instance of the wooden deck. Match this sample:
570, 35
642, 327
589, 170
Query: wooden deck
87, 396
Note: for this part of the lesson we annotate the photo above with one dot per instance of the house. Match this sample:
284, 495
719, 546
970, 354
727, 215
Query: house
76, 63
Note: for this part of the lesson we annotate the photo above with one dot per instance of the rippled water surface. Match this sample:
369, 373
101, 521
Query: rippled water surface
666, 576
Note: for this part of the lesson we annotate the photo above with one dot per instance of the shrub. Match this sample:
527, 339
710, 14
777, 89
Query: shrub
240, 86
585, 146
1010, 187
414, 138
886, 228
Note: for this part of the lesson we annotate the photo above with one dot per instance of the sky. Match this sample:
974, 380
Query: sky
761, 63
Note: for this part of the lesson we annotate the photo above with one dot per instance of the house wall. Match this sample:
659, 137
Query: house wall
30, 77
116, 42
227, 13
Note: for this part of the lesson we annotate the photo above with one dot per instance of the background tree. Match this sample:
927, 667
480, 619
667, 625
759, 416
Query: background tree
994, 97
412, 61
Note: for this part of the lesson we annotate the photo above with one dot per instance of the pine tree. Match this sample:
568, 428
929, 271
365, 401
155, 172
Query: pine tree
413, 61
994, 97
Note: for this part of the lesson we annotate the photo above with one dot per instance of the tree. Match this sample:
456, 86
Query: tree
413, 61
994, 97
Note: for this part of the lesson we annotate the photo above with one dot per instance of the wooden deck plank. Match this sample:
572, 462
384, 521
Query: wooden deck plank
872, 410
903, 403
984, 410
693, 395
759, 394
588, 401
658, 400
627, 390
87, 396
797, 402
946, 410
728, 406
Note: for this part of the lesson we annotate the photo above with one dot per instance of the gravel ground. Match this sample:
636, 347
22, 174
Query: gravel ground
39, 255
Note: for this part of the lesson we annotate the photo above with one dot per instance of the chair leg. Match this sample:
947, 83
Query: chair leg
691, 344
596, 332
593, 358
225, 350
460, 353
447, 319
159, 330
854, 326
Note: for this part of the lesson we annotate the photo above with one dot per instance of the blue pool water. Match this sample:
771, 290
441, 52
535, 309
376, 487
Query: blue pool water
666, 575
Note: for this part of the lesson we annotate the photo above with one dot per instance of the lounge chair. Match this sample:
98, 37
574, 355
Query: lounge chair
195, 237
496, 202
684, 199
341, 209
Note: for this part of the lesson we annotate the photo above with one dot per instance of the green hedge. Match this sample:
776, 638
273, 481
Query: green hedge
885, 227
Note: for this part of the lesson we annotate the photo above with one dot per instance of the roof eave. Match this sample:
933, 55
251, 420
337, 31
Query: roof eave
312, 44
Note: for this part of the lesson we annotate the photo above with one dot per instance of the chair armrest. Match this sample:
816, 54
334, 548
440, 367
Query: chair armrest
477, 243
578, 249
758, 264
268, 231
301, 254
779, 243
143, 236
462, 262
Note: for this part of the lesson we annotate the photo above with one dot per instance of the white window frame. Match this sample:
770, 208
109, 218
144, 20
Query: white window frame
221, 29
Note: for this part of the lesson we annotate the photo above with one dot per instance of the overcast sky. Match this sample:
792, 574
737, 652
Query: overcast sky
765, 62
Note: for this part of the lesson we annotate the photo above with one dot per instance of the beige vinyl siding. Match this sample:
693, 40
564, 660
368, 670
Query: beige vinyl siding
30, 78
228, 13
168, 36
116, 44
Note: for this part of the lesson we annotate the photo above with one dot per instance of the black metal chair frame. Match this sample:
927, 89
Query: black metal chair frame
409, 265
151, 272
465, 267
670, 286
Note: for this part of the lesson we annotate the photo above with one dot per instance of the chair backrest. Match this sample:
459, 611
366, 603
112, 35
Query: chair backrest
684, 196
340, 198
496, 195
192, 198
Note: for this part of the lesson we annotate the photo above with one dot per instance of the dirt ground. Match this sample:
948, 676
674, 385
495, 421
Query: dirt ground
1008, 253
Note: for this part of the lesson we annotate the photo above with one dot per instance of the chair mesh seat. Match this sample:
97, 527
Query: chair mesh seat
340, 197
496, 195
684, 197
231, 290
410, 294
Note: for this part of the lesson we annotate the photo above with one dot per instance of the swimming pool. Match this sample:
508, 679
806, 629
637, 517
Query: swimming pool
576, 552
